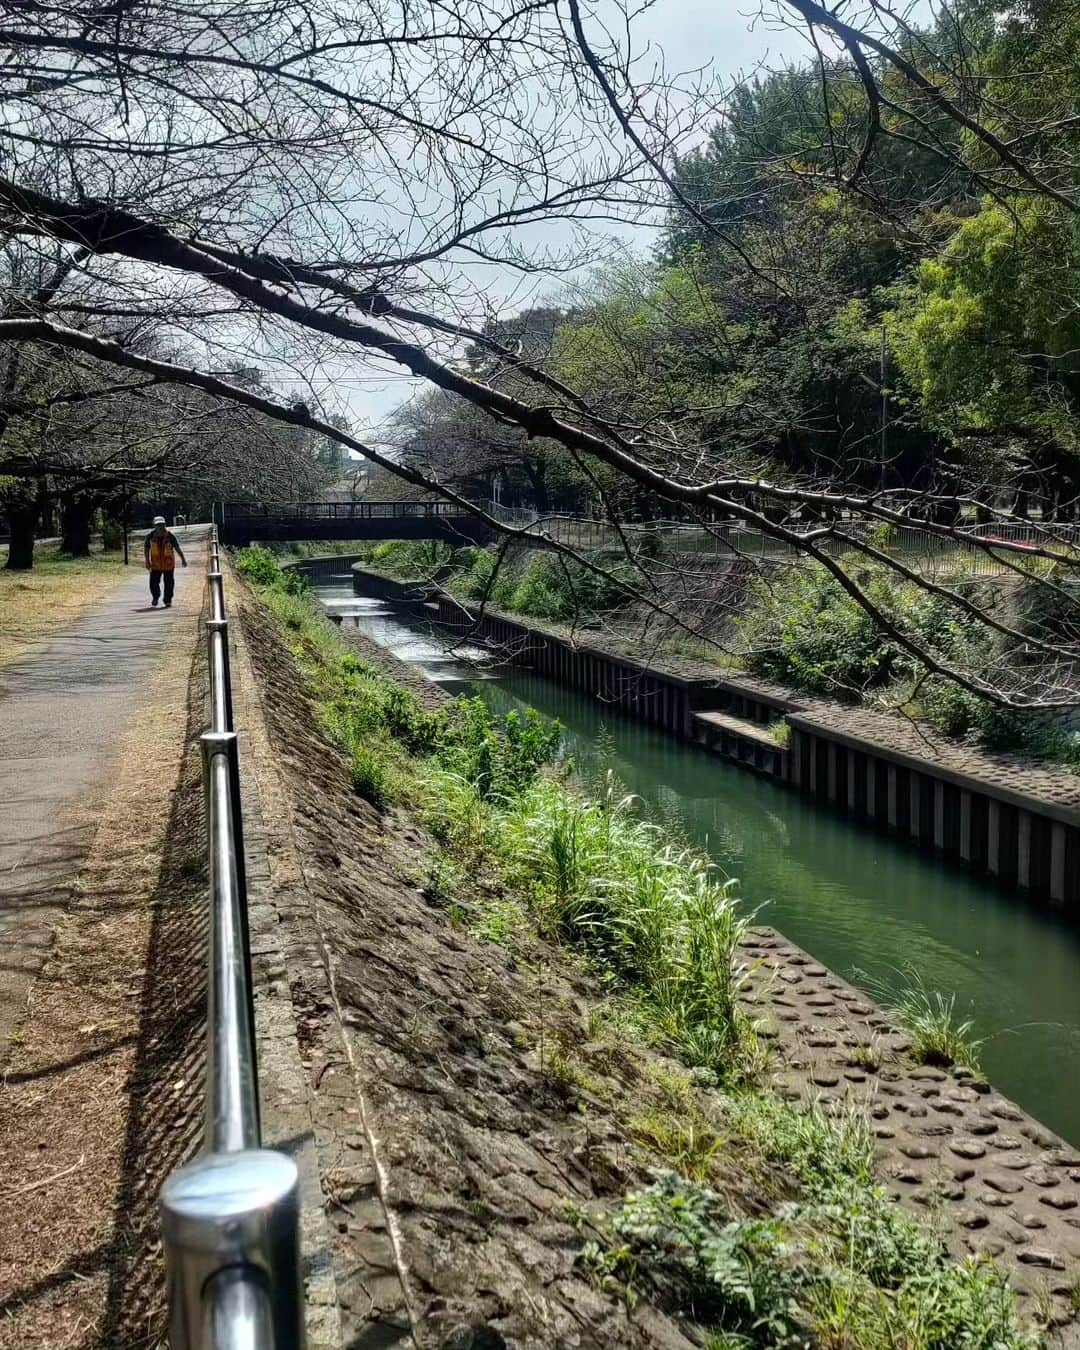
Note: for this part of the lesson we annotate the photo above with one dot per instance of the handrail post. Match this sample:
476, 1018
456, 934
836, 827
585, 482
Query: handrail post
215, 581
230, 1224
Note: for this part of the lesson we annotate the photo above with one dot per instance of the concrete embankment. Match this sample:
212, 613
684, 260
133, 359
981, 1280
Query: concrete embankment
996, 815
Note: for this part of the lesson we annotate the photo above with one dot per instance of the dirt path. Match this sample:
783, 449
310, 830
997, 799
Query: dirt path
100, 1002
63, 711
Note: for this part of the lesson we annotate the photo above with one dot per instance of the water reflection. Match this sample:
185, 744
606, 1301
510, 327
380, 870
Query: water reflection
860, 903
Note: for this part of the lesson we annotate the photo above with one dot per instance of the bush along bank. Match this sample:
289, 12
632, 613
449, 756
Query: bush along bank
765, 1225
800, 628
804, 630
534, 583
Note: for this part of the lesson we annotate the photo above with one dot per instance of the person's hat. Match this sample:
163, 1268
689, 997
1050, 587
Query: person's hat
159, 520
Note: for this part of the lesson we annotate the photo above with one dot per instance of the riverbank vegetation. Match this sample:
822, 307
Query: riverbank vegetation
524, 855
797, 625
533, 583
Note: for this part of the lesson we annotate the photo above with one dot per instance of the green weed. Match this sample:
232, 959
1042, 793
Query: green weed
655, 918
733, 1275
368, 775
866, 1055
842, 1266
930, 1019
688, 1143
258, 564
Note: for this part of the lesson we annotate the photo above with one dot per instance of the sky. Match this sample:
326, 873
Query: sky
731, 38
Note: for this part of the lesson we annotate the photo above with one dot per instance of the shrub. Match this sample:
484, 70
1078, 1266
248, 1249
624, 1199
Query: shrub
478, 579
807, 631
259, 565
411, 558
499, 761
112, 533
553, 587
294, 582
542, 591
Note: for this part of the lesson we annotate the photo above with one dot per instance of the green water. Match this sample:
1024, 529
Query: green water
868, 908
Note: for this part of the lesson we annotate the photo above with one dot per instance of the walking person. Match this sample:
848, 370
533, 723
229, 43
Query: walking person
160, 550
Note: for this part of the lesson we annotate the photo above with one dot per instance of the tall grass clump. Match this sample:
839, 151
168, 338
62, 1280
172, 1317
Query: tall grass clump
936, 1034
652, 915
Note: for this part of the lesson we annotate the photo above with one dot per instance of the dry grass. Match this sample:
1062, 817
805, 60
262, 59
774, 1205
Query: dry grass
36, 605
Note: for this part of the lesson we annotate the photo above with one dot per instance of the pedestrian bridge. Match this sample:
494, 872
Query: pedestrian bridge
972, 549
247, 523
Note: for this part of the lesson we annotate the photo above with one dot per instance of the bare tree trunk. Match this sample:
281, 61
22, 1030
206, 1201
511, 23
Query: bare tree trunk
22, 521
77, 522
538, 482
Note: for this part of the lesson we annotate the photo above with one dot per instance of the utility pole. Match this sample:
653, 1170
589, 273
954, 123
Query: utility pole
884, 406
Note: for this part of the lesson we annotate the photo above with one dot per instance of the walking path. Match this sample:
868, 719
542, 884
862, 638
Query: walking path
62, 711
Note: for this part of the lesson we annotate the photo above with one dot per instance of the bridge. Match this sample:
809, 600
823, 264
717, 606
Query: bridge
247, 523
969, 550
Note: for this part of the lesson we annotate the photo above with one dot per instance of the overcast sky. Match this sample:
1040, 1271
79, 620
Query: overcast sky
690, 34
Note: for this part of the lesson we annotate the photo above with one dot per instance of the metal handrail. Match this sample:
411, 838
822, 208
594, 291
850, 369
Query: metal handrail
230, 1219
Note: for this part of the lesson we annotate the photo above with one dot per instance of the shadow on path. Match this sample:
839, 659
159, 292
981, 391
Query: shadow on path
166, 1088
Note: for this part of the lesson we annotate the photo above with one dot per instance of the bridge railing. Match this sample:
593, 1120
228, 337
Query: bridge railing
971, 550
359, 510
230, 1219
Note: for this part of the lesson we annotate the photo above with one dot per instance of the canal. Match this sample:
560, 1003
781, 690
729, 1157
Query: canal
870, 909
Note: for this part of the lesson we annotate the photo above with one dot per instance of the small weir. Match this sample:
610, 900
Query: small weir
862, 903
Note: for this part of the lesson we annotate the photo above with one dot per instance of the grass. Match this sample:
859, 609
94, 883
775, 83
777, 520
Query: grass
690, 1145
936, 1035
835, 1265
36, 605
780, 731
654, 918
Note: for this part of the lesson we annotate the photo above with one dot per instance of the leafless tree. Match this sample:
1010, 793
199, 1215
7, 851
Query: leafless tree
327, 185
